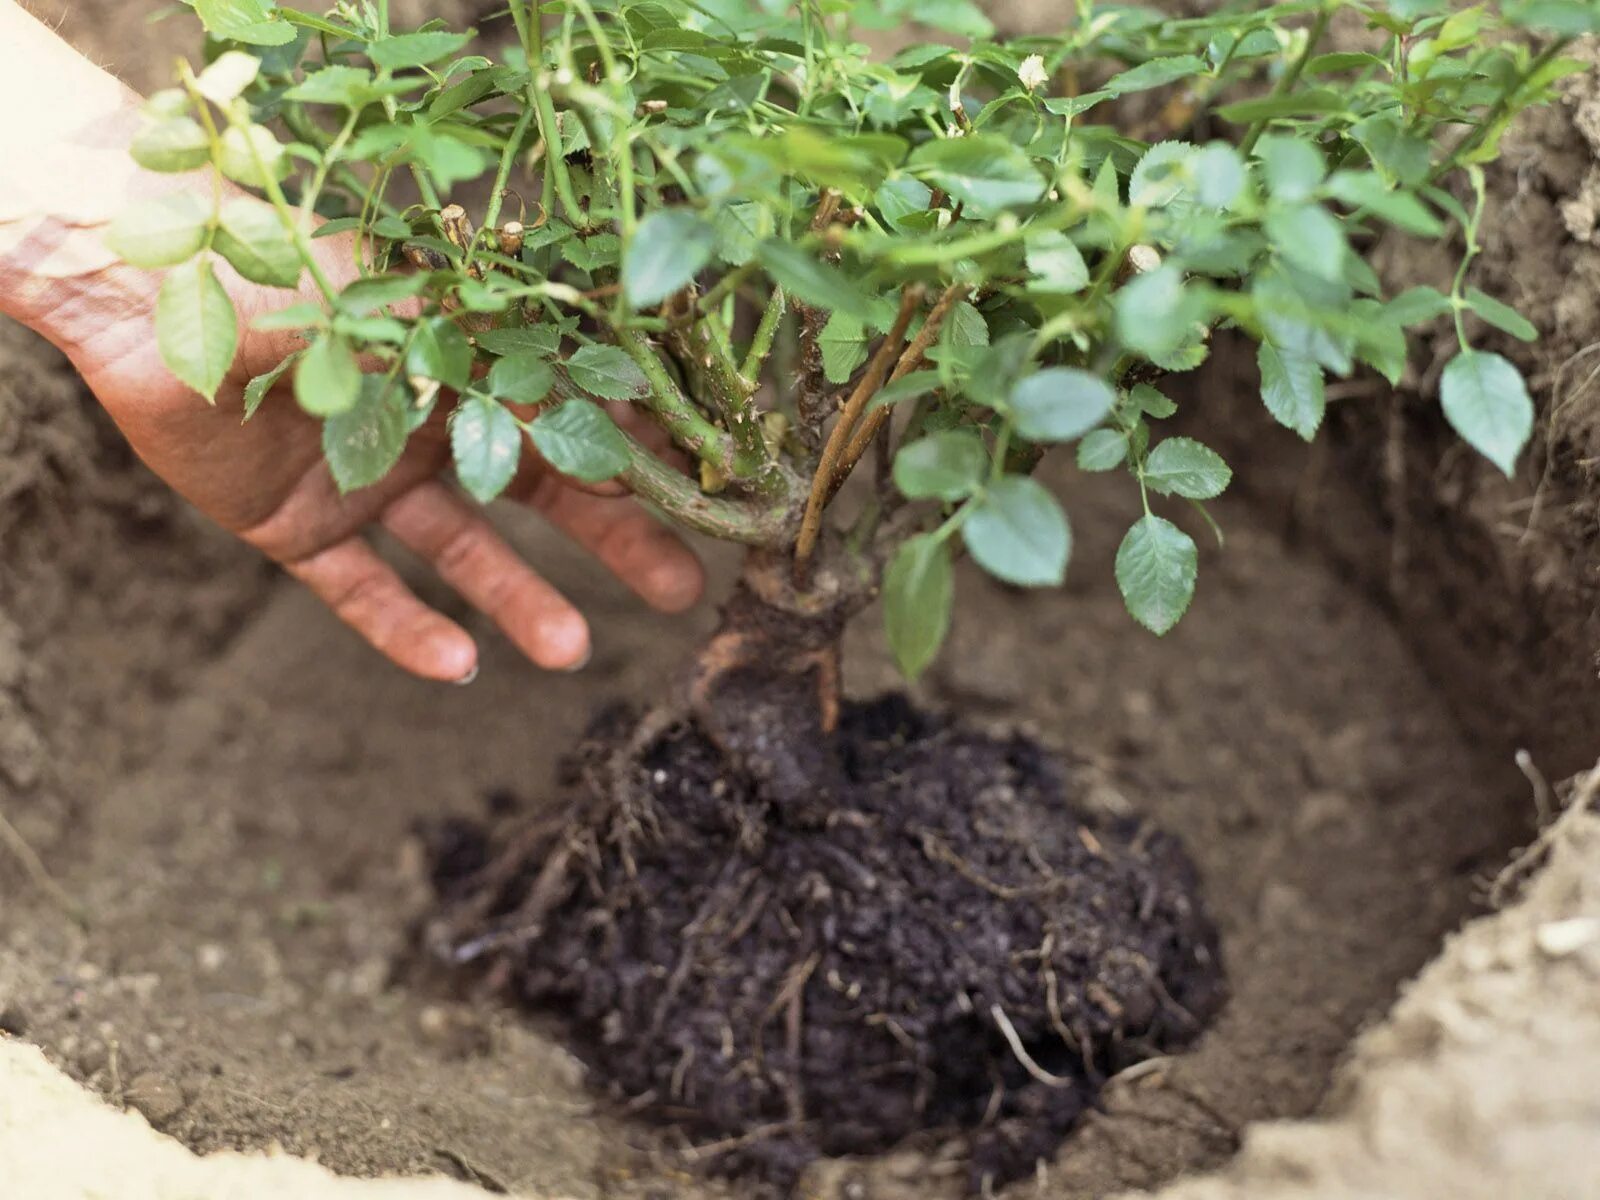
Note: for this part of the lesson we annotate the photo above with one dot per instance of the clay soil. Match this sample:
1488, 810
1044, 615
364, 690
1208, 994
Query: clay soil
229, 784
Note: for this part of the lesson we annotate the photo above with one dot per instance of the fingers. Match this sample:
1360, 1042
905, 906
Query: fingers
367, 595
434, 523
632, 544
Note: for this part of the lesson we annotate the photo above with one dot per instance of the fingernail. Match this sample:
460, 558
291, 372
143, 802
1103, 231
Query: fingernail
468, 677
581, 663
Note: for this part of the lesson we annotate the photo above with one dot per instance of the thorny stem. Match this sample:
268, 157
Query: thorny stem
673, 410
909, 362
532, 35
766, 332
838, 440
502, 179
704, 350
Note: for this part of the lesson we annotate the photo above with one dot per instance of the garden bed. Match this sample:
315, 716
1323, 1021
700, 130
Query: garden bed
229, 785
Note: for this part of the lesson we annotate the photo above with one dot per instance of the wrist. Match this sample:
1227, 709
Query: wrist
74, 176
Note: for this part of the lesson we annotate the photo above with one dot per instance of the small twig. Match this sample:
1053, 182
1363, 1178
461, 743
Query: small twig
909, 362
1009, 1032
1544, 800
35, 868
877, 373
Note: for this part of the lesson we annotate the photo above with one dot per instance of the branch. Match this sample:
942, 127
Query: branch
750, 522
909, 362
699, 344
821, 484
673, 411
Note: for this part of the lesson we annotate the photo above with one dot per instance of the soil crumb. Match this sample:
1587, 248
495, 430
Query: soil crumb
958, 947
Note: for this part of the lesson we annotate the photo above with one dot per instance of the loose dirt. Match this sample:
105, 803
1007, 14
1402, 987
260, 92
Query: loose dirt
229, 784
251, 884
956, 945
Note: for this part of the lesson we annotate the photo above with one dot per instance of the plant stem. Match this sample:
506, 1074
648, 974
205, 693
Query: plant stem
296, 231
1290, 77
502, 178
677, 415
822, 486
330, 156
909, 362
532, 34
766, 332
751, 522
1498, 112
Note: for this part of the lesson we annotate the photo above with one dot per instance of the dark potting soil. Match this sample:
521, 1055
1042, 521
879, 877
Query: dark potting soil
955, 947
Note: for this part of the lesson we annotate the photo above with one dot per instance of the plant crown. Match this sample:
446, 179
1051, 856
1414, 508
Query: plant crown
793, 254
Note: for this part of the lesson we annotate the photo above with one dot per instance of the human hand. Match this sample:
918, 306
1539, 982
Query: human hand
267, 482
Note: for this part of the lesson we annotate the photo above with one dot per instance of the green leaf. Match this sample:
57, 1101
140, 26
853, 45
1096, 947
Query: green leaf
440, 351
1292, 387
1157, 72
908, 387
966, 326
416, 49
296, 316
843, 341
1417, 305
379, 291
918, 591
351, 87
1151, 402
252, 22
486, 444
739, 230
522, 378
668, 249
258, 388
543, 340
1312, 103
1362, 189
1502, 316
1565, 18
1183, 467
803, 275
328, 380
1346, 60
607, 372
985, 172
171, 146
1486, 402
1059, 404
253, 239
226, 79
902, 198
1156, 568
1162, 176
949, 465
363, 443
1310, 237
161, 232
1018, 533
1057, 265
1072, 106
1219, 175
1398, 153
251, 155
1155, 313
1103, 450
197, 330
1293, 169
579, 440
